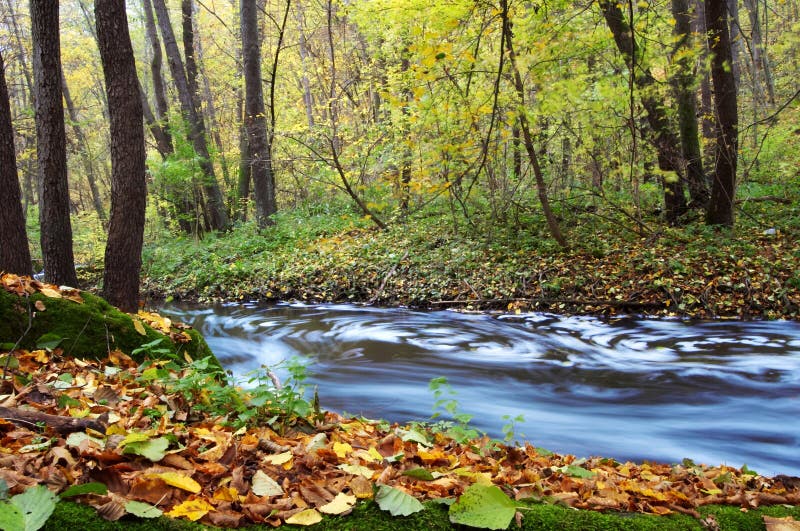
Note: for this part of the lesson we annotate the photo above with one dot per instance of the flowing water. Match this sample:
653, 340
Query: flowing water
639, 389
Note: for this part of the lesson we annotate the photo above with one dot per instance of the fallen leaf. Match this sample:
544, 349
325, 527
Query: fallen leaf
192, 509
180, 481
341, 504
279, 459
263, 485
307, 517
786, 523
139, 327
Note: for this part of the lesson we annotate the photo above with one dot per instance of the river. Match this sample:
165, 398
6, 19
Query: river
628, 388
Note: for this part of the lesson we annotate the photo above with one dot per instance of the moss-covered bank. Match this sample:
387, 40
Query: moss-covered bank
88, 329
368, 517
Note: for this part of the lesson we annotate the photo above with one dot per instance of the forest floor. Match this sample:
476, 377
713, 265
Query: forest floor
161, 443
691, 271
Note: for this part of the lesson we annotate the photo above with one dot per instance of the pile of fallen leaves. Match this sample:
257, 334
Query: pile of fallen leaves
24, 286
97, 428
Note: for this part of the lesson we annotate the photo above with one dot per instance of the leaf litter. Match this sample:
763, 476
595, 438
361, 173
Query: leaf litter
187, 463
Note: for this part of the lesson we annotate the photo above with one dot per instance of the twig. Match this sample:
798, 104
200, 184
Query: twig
386, 278
19, 341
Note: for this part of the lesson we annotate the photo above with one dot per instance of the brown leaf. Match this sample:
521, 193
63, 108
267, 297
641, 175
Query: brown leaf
781, 524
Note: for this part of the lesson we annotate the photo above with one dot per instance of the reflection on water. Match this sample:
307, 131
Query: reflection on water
718, 392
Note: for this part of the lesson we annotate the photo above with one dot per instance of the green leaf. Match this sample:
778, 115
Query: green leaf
748, 471
49, 341
28, 511
154, 449
11, 518
575, 471
396, 502
484, 506
142, 510
412, 435
419, 473
87, 488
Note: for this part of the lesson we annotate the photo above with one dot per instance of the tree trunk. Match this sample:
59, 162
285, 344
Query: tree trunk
735, 39
214, 203
197, 133
159, 89
85, 152
686, 99
123, 257
15, 256
723, 190
208, 98
533, 158
254, 116
665, 139
51, 152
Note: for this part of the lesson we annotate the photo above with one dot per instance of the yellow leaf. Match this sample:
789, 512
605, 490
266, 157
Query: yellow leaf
357, 470
341, 504
342, 449
229, 494
279, 459
180, 481
375, 454
50, 292
307, 517
191, 509
137, 324
263, 485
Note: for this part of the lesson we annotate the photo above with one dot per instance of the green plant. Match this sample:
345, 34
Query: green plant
260, 399
459, 428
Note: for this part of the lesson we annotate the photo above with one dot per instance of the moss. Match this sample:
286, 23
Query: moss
86, 330
368, 517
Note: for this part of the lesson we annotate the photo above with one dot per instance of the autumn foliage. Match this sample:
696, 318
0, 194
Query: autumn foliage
142, 447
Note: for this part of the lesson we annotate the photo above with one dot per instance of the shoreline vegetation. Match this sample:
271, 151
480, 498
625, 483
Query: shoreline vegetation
690, 272
167, 435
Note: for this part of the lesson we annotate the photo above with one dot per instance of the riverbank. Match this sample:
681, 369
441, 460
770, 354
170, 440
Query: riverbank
693, 271
141, 440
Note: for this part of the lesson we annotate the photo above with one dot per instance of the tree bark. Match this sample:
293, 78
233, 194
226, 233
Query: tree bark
665, 140
254, 117
686, 99
51, 152
197, 133
123, 257
15, 256
723, 190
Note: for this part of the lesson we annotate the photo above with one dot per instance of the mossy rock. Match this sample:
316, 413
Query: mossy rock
85, 330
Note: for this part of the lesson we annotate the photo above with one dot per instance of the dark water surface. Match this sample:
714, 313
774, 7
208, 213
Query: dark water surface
717, 392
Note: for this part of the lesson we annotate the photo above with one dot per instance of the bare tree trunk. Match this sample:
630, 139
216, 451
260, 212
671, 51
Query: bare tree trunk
665, 140
723, 191
159, 89
735, 35
85, 153
308, 98
123, 256
685, 96
197, 133
533, 158
15, 256
254, 117
758, 50
30, 169
54, 204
